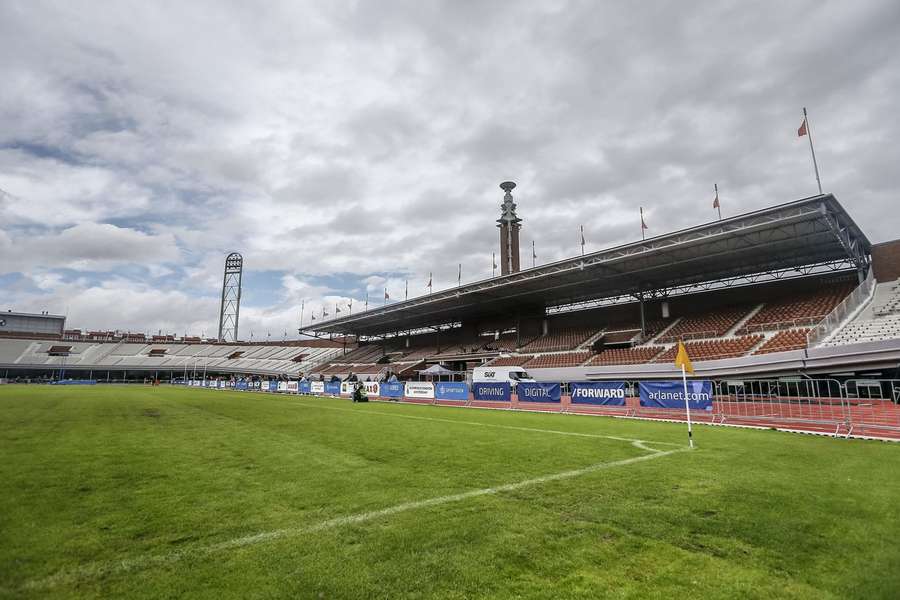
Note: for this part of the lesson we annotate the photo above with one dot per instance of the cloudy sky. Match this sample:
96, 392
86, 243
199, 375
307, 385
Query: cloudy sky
343, 147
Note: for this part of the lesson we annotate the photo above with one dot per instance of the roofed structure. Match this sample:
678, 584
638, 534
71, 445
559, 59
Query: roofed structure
798, 237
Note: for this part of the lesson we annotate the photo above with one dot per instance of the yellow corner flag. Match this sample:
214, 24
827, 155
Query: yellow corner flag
683, 360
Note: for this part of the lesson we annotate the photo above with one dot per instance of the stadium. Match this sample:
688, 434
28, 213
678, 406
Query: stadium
790, 314
707, 406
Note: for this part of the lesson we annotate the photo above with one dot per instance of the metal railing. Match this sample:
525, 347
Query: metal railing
836, 317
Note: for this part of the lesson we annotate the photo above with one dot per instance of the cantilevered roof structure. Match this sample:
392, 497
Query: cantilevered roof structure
796, 237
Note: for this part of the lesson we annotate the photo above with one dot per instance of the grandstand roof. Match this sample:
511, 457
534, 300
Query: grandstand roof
793, 236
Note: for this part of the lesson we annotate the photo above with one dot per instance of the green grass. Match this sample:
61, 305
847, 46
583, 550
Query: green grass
142, 492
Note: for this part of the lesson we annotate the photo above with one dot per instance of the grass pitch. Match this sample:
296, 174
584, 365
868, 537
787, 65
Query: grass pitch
160, 492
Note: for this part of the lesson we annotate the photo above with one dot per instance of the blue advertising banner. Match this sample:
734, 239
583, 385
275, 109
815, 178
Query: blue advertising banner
273, 386
392, 389
333, 388
303, 387
606, 393
528, 391
74, 382
240, 385
670, 394
491, 391
451, 390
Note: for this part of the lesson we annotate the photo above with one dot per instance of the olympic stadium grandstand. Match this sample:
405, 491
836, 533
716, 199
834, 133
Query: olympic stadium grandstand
792, 293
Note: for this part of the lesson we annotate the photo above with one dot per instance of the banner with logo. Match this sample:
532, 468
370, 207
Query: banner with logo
605, 393
391, 389
333, 388
347, 388
292, 387
241, 385
282, 386
273, 386
670, 394
372, 388
451, 390
527, 391
492, 391
264, 385
303, 387
317, 387
419, 389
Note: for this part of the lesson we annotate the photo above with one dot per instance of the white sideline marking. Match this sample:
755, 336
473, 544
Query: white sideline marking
480, 424
102, 569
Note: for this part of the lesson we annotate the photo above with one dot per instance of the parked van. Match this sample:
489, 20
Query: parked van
511, 375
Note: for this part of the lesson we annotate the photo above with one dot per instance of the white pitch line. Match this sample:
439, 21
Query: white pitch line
102, 569
480, 424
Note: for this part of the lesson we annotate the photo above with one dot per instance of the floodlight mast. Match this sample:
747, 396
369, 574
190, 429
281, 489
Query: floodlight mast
230, 308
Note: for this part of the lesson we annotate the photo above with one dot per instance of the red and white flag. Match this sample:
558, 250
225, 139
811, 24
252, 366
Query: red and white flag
802, 131
643, 223
716, 201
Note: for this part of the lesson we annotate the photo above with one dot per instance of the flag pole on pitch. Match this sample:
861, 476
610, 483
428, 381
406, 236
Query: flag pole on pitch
806, 130
684, 361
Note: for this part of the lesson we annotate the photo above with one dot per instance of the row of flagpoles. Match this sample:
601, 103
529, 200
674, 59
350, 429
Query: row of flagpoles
803, 130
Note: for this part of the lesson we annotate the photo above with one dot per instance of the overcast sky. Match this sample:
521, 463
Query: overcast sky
347, 146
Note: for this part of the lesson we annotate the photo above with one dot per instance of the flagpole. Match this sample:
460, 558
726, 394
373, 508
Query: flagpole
533, 256
642, 224
406, 293
459, 277
582, 240
687, 406
812, 150
493, 264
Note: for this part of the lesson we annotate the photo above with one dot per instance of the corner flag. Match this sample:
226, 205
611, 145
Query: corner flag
683, 360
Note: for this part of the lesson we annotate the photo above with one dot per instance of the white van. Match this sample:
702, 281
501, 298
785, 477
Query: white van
511, 375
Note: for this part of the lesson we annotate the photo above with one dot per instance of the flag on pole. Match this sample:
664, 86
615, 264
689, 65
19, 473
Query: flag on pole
683, 360
337, 308
386, 295
350, 306
804, 131
367, 301
643, 223
459, 276
493, 263
716, 204
406, 294
429, 282
533, 254
314, 317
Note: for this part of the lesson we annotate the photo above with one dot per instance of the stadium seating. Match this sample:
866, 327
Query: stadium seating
625, 356
789, 339
796, 311
510, 361
564, 359
889, 303
564, 339
713, 349
867, 330
707, 325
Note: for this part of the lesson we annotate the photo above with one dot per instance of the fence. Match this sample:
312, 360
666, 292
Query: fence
867, 407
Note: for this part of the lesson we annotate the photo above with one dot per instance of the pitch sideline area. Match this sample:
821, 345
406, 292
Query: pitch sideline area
146, 492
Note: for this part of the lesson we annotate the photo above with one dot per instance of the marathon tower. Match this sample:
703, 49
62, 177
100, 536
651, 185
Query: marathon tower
509, 231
